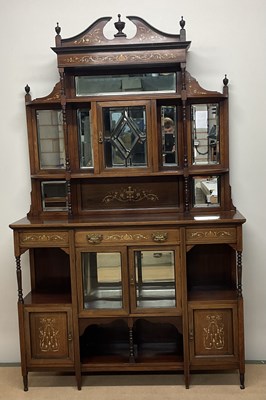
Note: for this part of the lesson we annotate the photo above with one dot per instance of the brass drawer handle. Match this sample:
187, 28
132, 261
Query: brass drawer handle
94, 238
159, 236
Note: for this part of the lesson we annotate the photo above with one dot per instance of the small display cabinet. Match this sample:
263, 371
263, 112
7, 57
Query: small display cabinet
134, 243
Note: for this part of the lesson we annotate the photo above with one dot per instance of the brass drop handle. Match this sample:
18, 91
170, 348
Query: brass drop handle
159, 236
70, 337
94, 238
100, 140
191, 335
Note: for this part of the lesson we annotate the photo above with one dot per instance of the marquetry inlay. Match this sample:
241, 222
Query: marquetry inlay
211, 234
145, 34
45, 237
126, 237
48, 335
94, 37
130, 194
119, 58
213, 333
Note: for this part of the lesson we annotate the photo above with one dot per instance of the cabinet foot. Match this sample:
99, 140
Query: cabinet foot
25, 383
242, 381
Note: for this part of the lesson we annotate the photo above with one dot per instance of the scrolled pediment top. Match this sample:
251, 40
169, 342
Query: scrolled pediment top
94, 35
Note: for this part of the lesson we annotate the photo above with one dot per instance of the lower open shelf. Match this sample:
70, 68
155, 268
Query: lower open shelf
144, 346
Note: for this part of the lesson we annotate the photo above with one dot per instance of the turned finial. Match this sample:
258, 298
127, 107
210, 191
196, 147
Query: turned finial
120, 25
225, 80
27, 89
57, 29
182, 23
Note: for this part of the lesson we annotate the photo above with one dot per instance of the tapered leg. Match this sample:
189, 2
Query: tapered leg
25, 383
242, 381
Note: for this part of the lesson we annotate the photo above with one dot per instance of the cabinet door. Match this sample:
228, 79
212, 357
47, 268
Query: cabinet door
49, 336
125, 135
155, 279
213, 334
102, 279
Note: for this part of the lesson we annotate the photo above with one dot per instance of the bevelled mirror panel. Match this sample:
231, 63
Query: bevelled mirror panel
85, 135
205, 134
206, 191
102, 280
125, 84
155, 278
54, 195
51, 144
169, 142
125, 137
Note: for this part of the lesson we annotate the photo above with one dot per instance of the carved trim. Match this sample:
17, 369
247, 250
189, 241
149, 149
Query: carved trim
130, 195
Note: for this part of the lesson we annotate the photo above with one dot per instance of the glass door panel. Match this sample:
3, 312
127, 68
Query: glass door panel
206, 191
205, 134
50, 139
125, 136
169, 141
85, 134
155, 279
102, 280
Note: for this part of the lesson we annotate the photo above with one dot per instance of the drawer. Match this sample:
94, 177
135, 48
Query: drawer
151, 236
43, 239
211, 235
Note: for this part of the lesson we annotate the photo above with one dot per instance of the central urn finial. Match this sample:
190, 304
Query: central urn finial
120, 25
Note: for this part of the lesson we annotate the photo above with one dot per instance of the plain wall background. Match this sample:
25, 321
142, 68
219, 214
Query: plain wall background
228, 37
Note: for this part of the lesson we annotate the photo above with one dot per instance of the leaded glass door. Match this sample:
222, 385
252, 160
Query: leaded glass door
124, 135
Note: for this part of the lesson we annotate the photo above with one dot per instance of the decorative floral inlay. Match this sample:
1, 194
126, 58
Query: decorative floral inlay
90, 38
210, 234
120, 58
214, 333
53, 237
129, 194
126, 237
148, 34
48, 335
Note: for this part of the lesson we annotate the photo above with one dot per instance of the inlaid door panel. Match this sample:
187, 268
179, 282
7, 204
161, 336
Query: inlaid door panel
49, 336
212, 333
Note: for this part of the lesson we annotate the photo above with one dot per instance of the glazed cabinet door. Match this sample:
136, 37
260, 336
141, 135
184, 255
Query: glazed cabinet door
213, 333
102, 280
49, 338
155, 279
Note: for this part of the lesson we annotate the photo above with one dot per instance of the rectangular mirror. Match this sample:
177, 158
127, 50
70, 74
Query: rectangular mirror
54, 196
102, 281
85, 135
155, 278
205, 134
125, 84
206, 191
169, 141
51, 143
125, 136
